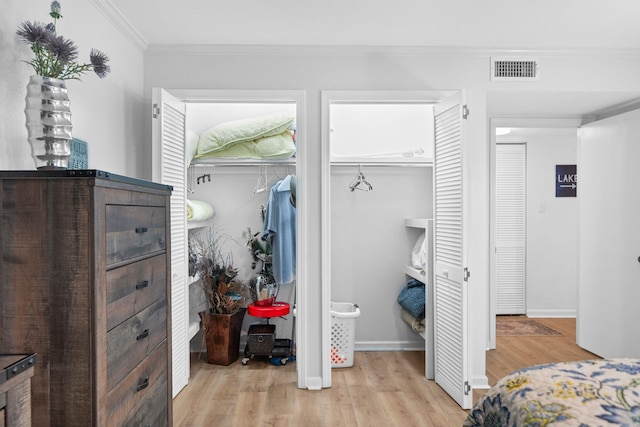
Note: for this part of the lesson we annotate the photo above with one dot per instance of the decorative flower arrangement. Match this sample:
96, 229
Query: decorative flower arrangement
224, 293
262, 286
56, 56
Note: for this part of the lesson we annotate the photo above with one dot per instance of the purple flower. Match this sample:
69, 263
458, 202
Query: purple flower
63, 49
34, 33
56, 56
55, 10
99, 61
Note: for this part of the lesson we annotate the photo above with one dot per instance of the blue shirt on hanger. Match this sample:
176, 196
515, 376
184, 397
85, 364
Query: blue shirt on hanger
280, 227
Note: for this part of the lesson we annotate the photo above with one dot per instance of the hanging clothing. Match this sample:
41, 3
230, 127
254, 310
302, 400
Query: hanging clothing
280, 228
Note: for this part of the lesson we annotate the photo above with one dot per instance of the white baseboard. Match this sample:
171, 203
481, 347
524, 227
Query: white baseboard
389, 346
314, 383
552, 313
480, 383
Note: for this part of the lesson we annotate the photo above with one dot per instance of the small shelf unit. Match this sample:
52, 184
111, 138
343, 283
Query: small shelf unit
194, 319
425, 276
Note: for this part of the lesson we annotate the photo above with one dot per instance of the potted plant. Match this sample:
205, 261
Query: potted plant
225, 295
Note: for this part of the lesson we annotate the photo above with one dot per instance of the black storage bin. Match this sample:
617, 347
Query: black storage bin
261, 339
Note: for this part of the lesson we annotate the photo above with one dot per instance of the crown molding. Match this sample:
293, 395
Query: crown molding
362, 50
122, 24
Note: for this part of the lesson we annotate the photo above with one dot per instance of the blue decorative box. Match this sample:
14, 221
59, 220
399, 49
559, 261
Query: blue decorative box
79, 154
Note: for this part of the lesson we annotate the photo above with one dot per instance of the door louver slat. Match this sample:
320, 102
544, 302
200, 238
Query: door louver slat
510, 228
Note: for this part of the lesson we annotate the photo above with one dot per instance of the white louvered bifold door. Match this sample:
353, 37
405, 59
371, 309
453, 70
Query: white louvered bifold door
510, 228
169, 168
450, 294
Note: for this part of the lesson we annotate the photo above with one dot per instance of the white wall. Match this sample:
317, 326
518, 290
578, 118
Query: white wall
108, 113
552, 227
349, 68
370, 245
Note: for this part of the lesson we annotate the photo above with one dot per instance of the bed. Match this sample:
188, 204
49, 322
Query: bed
583, 393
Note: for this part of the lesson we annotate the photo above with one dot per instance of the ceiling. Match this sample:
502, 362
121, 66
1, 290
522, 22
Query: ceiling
515, 25
512, 24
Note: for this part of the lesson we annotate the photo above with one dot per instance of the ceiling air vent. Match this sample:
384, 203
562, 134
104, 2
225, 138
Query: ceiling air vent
514, 69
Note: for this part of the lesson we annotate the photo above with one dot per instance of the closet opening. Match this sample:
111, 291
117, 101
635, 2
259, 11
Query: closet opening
235, 159
411, 188
380, 190
241, 185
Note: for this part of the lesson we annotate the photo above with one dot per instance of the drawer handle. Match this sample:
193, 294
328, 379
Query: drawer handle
141, 230
143, 335
143, 384
142, 284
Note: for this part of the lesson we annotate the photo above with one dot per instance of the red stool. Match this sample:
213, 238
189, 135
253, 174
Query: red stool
277, 309
261, 339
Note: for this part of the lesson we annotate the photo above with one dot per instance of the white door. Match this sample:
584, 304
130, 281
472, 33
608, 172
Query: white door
510, 228
609, 236
168, 167
450, 290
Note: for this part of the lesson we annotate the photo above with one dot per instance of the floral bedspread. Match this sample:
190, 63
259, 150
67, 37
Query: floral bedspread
585, 393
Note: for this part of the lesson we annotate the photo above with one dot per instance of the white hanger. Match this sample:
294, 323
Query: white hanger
263, 180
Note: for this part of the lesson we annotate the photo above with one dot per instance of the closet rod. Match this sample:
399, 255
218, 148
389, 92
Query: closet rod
396, 164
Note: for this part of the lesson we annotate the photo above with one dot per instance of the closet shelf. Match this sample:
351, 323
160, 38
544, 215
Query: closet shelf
425, 275
192, 225
194, 328
415, 273
417, 222
241, 162
193, 279
404, 163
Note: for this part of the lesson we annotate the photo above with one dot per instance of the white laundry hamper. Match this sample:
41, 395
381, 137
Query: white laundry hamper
343, 332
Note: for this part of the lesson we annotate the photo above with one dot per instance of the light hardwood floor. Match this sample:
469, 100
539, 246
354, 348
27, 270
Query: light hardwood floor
381, 389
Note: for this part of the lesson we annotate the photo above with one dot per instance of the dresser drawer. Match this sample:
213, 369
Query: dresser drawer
150, 412
134, 231
132, 340
134, 287
139, 388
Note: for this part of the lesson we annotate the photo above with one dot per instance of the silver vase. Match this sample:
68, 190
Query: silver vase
263, 289
48, 116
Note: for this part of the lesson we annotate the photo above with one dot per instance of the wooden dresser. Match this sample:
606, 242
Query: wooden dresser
85, 284
16, 371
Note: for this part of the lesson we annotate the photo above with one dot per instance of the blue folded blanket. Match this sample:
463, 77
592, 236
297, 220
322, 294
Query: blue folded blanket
412, 298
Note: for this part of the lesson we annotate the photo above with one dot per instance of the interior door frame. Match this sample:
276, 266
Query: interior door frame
348, 96
510, 122
303, 327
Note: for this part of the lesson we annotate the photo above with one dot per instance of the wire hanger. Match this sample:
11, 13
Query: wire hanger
190, 181
263, 180
360, 182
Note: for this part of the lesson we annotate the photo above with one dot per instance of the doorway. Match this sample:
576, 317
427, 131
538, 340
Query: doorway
450, 246
551, 222
232, 99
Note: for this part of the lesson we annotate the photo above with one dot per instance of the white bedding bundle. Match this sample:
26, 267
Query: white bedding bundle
198, 210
